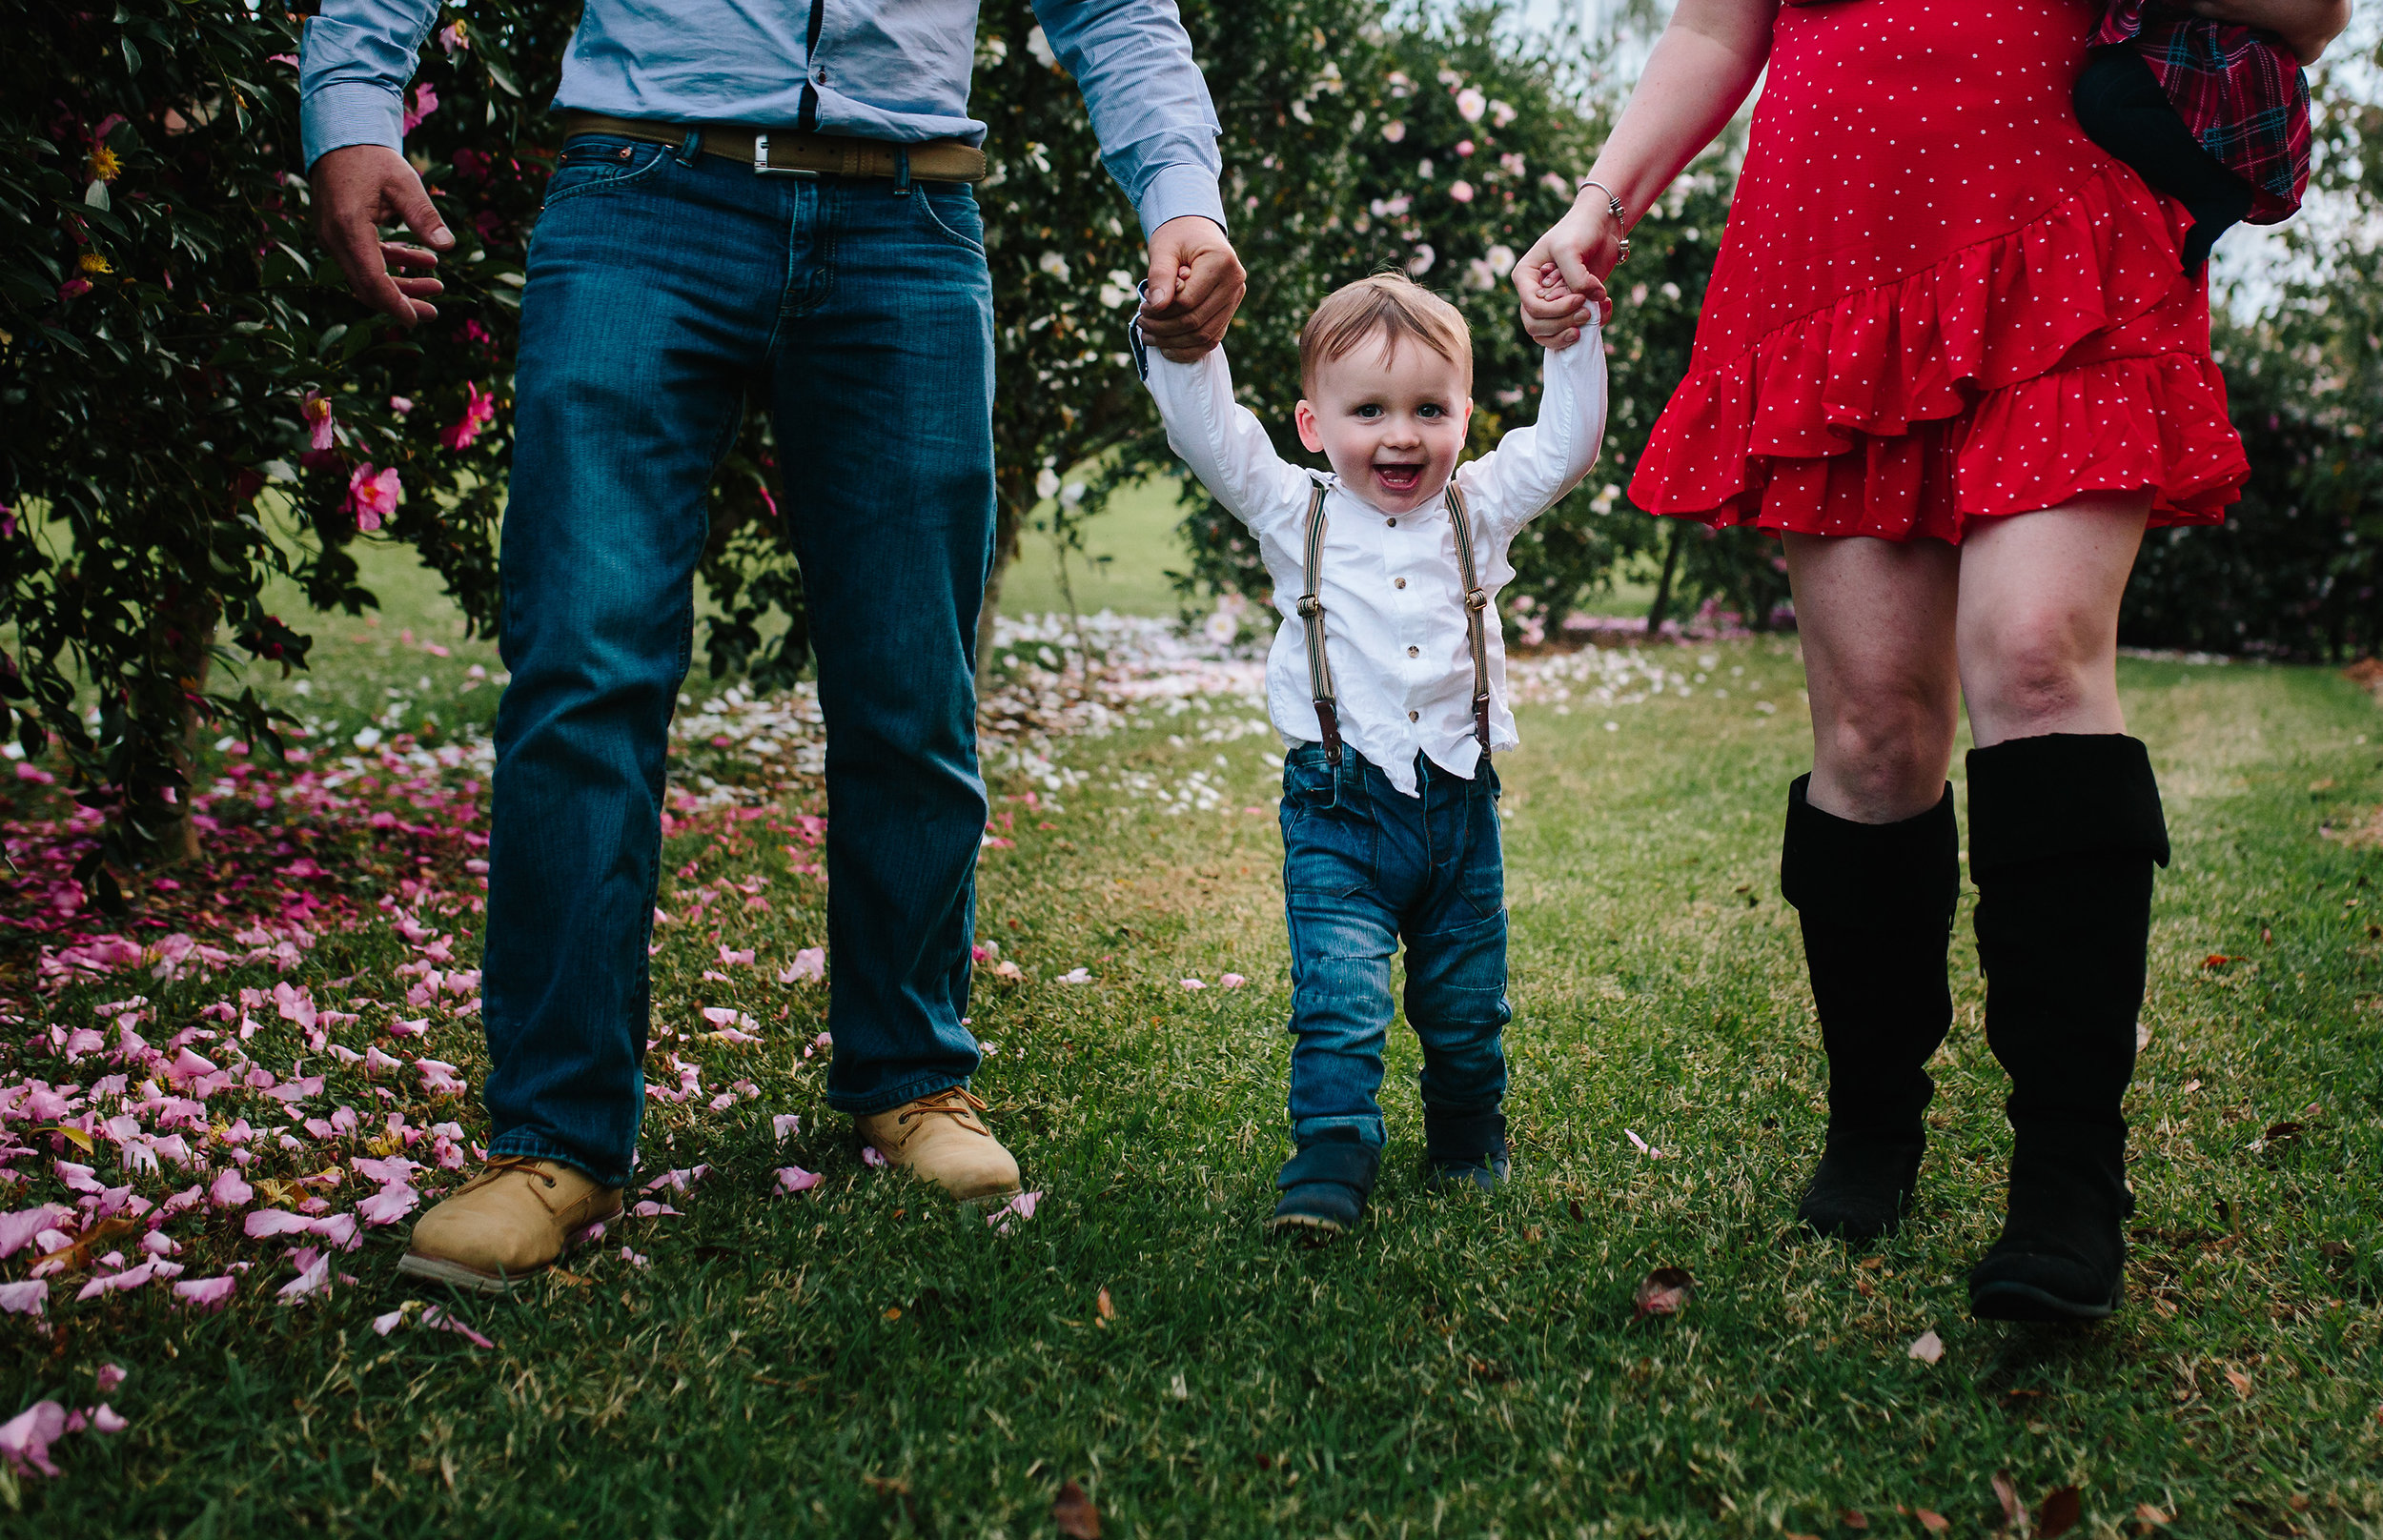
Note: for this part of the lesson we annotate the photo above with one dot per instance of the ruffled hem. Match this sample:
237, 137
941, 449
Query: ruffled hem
1983, 385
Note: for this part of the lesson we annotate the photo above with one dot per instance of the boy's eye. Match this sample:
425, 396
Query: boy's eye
1428, 410
1369, 412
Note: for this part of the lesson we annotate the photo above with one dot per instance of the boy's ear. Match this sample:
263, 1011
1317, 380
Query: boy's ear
1305, 417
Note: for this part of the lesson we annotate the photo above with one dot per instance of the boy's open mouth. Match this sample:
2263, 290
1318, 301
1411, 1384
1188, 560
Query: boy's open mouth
1399, 478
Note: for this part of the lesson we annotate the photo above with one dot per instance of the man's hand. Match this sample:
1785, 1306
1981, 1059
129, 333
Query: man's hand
1195, 285
360, 188
1562, 278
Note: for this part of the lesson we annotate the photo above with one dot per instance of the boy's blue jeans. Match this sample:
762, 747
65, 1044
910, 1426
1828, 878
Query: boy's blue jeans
664, 287
1364, 866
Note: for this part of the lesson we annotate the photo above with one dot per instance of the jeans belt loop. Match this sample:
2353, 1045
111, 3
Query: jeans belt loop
691, 147
902, 171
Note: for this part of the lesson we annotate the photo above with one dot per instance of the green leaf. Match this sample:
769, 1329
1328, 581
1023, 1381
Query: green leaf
96, 195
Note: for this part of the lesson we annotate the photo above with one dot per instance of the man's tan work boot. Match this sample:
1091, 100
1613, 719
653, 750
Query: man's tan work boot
941, 1138
508, 1223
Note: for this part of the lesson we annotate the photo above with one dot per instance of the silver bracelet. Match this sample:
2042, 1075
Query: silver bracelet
1613, 206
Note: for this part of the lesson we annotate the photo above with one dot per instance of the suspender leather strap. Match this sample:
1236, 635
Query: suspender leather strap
1476, 605
1311, 615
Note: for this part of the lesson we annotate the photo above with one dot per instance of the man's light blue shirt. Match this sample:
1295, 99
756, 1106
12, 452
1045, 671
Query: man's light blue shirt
891, 69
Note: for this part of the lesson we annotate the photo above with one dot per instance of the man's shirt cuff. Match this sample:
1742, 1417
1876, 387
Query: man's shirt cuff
1180, 190
343, 112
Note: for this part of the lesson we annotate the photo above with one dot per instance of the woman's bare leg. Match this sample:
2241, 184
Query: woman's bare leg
2064, 830
1878, 627
2038, 631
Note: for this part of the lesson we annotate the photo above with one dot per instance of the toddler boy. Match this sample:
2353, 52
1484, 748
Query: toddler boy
1387, 681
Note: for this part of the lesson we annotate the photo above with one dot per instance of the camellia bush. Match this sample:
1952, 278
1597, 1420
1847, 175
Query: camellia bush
189, 402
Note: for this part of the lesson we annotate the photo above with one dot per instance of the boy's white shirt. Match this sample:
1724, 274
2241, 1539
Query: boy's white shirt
1394, 601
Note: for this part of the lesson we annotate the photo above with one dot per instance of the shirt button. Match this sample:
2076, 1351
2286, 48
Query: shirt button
1391, 522
1411, 716
1412, 652
1397, 582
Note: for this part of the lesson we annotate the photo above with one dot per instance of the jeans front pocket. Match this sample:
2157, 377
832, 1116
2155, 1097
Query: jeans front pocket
602, 161
948, 212
1329, 838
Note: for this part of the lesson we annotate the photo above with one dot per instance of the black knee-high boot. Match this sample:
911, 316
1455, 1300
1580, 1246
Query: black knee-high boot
1876, 900
2064, 831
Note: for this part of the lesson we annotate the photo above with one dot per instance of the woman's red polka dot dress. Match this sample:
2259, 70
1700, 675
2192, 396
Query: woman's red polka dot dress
1937, 300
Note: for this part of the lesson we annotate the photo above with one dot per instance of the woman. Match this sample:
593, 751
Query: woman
1951, 358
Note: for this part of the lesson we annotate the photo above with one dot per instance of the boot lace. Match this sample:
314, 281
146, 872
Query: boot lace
956, 1101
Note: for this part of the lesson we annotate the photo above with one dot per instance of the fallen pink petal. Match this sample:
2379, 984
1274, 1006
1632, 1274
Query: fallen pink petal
795, 1178
25, 1438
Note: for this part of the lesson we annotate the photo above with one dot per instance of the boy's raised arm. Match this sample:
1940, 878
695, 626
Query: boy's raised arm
1222, 441
1533, 468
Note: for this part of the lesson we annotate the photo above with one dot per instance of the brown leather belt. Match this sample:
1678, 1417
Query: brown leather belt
788, 153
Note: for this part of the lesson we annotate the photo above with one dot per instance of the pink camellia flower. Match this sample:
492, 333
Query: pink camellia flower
795, 1178
1464, 147
316, 412
479, 410
1394, 131
426, 102
374, 495
206, 1293
26, 1438
111, 1375
1470, 104
454, 38
72, 289
1460, 190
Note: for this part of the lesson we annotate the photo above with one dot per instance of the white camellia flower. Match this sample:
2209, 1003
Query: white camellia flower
1420, 263
1470, 104
1045, 482
1394, 131
1052, 263
1039, 46
1502, 259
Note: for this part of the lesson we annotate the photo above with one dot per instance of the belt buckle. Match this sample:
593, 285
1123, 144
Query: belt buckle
762, 168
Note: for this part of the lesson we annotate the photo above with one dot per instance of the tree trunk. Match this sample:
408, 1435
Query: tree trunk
1006, 528
1663, 588
189, 640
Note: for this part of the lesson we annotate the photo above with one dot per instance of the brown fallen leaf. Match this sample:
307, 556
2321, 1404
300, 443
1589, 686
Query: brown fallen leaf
1864, 1286
1791, 1534
2006, 1493
1074, 1513
2240, 1381
2282, 1133
1664, 1291
1577, 1216
1108, 1311
2152, 1516
2335, 1249
1853, 1518
1932, 1522
2058, 1514
96, 1241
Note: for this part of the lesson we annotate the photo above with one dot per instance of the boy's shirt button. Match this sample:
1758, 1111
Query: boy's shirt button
1391, 522
1397, 582
1414, 652
1413, 716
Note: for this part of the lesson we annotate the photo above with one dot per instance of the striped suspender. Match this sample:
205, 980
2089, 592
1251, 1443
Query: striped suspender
1476, 601
1311, 616
1311, 612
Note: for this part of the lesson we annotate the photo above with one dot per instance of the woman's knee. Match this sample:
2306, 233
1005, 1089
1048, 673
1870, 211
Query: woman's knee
2037, 672
1883, 755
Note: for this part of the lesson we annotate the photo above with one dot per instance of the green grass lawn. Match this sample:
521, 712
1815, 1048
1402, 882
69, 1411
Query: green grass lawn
860, 1360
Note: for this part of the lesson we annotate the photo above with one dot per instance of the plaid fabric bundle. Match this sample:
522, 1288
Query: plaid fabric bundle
2239, 90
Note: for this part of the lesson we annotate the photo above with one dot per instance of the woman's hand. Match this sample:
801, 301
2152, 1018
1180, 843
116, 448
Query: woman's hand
1562, 278
2306, 25
1701, 68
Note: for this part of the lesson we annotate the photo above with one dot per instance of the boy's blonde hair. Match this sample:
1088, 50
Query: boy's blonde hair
1388, 306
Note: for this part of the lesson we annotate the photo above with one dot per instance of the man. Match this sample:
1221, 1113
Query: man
768, 195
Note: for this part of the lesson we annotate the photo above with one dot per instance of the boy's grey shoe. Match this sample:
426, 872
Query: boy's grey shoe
1464, 1148
1324, 1187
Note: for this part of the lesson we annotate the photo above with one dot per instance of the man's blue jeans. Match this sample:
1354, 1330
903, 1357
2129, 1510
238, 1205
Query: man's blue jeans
1365, 865
664, 286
